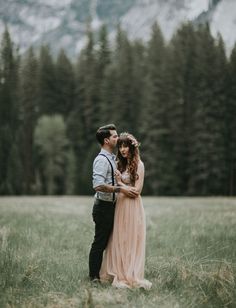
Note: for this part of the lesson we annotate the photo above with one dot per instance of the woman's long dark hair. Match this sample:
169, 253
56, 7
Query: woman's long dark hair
131, 164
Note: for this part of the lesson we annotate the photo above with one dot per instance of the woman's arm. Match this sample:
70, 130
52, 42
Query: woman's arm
140, 178
129, 191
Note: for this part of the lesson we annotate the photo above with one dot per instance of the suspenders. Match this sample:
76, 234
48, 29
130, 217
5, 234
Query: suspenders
112, 175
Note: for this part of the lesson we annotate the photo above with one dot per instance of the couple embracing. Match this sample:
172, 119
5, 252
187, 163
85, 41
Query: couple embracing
118, 213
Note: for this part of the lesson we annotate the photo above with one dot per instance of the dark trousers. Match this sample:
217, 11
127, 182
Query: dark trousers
103, 217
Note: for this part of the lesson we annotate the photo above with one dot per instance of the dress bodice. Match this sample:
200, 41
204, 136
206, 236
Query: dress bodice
125, 178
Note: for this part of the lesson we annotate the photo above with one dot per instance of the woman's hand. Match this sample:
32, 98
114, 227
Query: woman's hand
129, 191
117, 176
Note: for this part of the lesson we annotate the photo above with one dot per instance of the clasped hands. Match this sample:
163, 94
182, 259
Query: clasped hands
129, 191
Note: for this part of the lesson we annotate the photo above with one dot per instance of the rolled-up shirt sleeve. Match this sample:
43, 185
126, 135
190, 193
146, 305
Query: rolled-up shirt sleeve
100, 168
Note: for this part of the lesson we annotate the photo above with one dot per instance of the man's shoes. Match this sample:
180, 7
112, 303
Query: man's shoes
95, 281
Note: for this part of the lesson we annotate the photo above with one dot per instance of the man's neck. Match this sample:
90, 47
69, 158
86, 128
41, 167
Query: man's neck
106, 148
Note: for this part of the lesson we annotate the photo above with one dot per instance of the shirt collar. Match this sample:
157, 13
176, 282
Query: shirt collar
108, 153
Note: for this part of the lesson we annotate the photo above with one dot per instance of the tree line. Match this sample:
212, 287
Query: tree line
178, 98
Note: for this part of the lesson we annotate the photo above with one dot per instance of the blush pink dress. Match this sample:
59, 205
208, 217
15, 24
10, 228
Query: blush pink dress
124, 258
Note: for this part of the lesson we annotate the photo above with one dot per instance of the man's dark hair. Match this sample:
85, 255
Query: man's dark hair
104, 132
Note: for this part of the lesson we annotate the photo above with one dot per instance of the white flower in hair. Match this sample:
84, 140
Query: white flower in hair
133, 140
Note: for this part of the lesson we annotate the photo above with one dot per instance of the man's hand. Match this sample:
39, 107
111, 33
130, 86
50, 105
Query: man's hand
129, 191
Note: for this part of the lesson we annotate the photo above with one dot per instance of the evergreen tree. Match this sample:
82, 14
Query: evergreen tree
123, 111
47, 95
219, 112
87, 90
155, 127
65, 85
9, 120
108, 86
84, 120
139, 74
15, 171
53, 150
70, 171
103, 77
207, 152
77, 137
231, 125
29, 114
103, 53
181, 67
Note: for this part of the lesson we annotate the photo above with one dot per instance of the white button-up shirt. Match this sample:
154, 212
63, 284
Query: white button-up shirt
102, 173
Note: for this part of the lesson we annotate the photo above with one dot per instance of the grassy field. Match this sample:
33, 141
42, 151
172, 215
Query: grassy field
190, 254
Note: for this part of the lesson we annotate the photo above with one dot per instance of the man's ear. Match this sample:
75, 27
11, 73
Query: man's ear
106, 140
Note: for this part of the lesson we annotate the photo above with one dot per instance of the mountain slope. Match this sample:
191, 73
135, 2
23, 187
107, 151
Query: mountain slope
62, 23
224, 21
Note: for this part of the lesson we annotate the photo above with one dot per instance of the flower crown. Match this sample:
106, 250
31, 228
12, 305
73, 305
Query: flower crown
130, 137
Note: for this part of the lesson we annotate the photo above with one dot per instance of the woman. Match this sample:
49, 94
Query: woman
124, 258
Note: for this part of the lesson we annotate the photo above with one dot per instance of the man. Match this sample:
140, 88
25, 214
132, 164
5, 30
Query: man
104, 206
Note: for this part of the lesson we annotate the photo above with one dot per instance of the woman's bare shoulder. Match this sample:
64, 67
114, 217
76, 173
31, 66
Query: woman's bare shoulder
140, 164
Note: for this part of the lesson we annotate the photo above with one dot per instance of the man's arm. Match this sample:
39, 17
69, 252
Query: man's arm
105, 188
127, 190
100, 167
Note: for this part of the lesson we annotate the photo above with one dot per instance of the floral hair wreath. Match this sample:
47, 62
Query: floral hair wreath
130, 137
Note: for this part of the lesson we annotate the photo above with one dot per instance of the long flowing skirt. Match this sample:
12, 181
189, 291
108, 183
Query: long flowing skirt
124, 258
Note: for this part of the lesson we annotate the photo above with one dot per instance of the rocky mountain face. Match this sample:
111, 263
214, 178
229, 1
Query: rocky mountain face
62, 23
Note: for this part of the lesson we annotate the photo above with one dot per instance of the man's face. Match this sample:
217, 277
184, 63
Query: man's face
112, 140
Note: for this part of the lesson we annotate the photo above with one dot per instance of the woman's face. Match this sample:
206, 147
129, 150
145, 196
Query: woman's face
124, 150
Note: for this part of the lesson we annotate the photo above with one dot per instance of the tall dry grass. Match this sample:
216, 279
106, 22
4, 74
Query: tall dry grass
190, 255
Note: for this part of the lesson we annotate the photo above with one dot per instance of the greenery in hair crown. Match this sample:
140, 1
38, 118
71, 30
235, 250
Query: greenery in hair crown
130, 137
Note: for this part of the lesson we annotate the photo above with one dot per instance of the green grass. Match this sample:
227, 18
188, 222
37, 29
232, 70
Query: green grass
190, 254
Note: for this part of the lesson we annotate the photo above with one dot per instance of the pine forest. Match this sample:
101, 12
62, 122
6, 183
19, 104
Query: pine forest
177, 97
